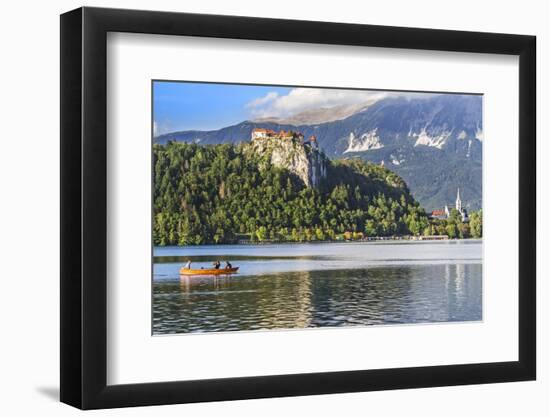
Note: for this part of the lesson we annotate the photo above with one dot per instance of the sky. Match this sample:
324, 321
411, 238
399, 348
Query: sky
208, 106
202, 106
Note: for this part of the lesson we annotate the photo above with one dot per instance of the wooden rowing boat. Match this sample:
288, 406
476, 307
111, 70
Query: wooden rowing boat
221, 271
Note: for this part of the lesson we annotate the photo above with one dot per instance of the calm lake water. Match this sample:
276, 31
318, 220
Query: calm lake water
317, 285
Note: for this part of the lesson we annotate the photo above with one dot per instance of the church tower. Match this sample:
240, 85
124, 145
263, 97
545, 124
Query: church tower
458, 204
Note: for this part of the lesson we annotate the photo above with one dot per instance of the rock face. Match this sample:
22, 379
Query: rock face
367, 141
302, 159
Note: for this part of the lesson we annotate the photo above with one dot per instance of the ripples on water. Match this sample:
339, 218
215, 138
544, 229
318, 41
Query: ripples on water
416, 293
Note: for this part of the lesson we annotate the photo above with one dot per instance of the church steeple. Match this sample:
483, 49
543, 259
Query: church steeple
458, 204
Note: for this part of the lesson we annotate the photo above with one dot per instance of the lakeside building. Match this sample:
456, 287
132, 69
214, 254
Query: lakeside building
445, 213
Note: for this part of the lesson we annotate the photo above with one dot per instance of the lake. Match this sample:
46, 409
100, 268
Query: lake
309, 285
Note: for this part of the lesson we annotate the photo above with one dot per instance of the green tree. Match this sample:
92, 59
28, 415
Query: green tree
451, 230
261, 233
476, 224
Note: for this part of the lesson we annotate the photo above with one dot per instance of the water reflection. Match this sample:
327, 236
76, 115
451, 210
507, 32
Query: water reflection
302, 299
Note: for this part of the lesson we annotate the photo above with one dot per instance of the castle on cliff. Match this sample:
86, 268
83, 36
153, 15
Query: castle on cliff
260, 133
289, 150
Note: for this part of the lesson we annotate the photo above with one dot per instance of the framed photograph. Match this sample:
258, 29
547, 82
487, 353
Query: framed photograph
257, 208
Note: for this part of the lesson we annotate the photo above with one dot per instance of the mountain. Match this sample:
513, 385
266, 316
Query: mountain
433, 142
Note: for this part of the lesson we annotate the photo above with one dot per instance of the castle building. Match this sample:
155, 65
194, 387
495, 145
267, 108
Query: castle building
260, 133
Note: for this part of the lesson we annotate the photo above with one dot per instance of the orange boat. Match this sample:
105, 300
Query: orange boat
221, 271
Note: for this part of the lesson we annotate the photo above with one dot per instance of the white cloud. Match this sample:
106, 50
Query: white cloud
303, 99
155, 129
263, 101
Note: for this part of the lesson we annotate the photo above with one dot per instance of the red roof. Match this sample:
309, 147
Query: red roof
438, 212
262, 130
281, 133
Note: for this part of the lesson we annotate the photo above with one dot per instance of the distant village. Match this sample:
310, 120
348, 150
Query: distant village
445, 213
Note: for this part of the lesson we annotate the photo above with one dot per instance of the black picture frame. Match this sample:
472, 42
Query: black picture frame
84, 207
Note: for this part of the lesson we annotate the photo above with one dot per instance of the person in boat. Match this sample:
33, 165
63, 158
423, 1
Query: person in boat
217, 265
188, 264
228, 265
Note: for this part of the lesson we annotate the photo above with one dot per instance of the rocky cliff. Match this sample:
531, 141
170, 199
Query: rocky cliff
302, 159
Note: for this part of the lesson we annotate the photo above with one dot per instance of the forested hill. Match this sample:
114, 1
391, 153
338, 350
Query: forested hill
218, 193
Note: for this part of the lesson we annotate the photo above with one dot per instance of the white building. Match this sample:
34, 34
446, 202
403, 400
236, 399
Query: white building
259, 133
458, 205
446, 212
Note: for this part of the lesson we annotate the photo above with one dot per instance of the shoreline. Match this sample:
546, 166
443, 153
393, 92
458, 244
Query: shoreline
319, 242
